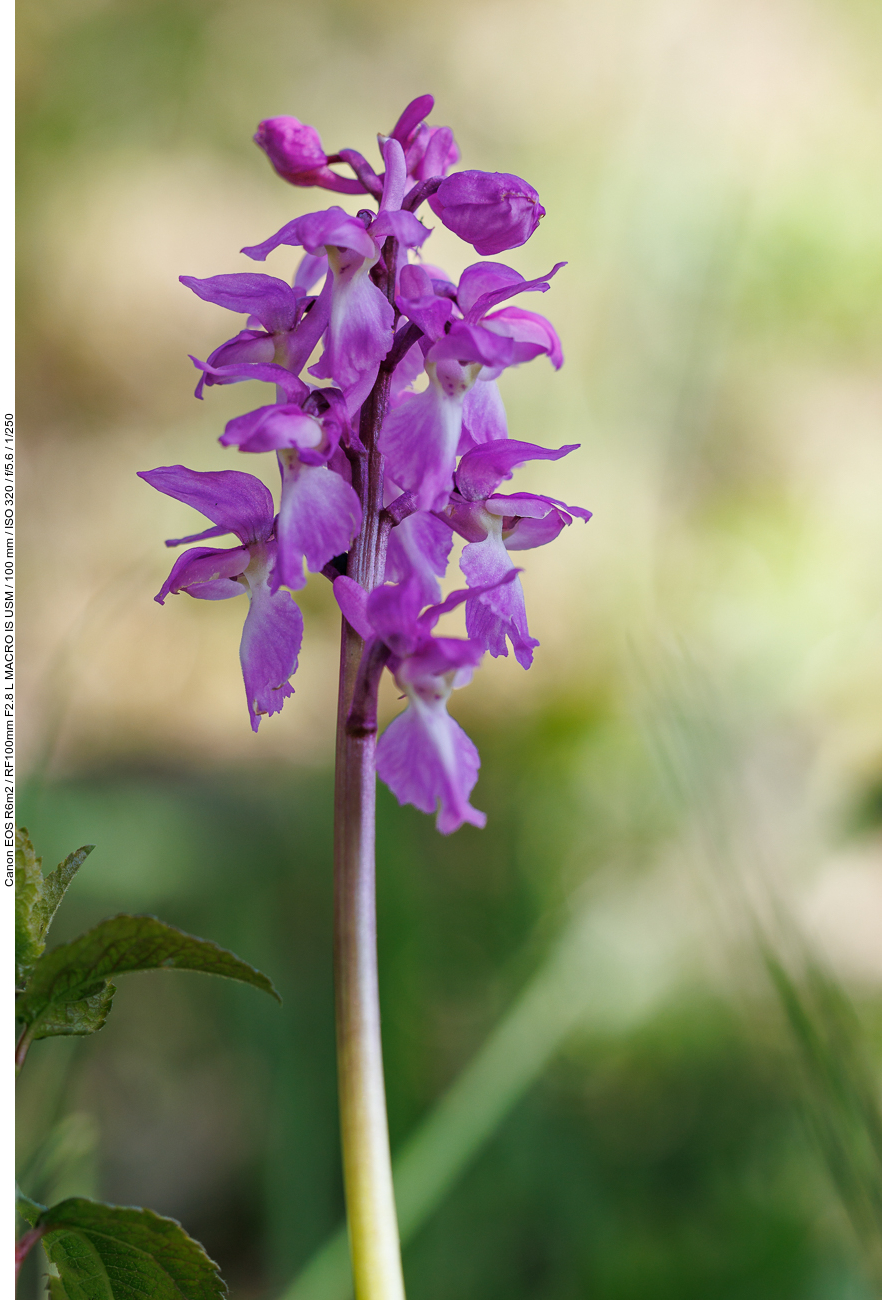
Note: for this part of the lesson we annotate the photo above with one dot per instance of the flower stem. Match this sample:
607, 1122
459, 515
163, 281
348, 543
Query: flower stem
24, 1245
21, 1047
367, 1168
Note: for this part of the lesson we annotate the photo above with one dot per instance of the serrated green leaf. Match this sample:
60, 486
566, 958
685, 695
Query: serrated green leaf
75, 972
29, 1210
113, 1252
56, 883
28, 897
36, 900
56, 1289
85, 1016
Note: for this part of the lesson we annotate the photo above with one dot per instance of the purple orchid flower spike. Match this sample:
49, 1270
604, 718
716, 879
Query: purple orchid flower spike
359, 331
371, 485
424, 756
423, 433
240, 504
319, 513
494, 524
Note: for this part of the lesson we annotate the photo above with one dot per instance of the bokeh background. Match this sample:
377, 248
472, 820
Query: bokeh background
633, 1029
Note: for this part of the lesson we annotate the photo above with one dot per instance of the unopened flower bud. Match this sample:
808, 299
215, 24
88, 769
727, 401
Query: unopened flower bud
293, 148
492, 211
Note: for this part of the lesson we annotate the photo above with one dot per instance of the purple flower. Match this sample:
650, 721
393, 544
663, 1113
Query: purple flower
494, 524
359, 332
424, 756
319, 512
296, 153
423, 432
428, 150
289, 332
418, 546
492, 211
240, 504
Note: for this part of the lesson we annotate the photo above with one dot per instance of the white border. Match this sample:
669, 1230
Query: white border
7, 401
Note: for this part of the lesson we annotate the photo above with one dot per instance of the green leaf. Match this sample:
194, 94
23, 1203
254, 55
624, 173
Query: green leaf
56, 1288
56, 883
28, 897
70, 993
36, 900
84, 1016
113, 1252
29, 1210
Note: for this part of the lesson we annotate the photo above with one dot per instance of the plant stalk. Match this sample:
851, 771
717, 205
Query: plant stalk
367, 1168
21, 1048
24, 1245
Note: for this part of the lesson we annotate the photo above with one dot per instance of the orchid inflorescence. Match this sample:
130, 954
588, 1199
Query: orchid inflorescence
383, 318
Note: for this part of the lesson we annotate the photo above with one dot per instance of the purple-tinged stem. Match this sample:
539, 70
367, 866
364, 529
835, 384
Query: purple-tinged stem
424, 190
367, 1167
363, 170
401, 344
21, 1048
24, 1245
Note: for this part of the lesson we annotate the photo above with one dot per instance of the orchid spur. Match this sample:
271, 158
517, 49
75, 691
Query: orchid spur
378, 477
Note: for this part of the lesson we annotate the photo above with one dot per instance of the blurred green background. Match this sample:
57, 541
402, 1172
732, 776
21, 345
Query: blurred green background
693, 764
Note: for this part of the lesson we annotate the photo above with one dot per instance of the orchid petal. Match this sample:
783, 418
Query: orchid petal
477, 344
319, 515
239, 502
396, 176
579, 511
271, 639
499, 611
360, 331
481, 278
310, 269
527, 328
272, 301
268, 373
427, 760
419, 545
483, 415
418, 301
393, 612
316, 232
407, 372
483, 468
437, 656
245, 348
528, 533
300, 345
204, 565
523, 505
440, 155
352, 599
216, 530
270, 428
419, 438
417, 110
430, 617
403, 226
494, 294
